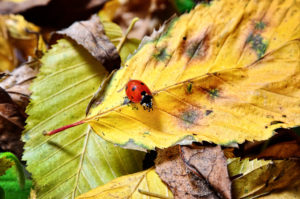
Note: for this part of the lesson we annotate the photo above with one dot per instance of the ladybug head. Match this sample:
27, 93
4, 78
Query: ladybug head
146, 101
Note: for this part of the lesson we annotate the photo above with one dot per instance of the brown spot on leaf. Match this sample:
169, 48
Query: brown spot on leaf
190, 117
197, 48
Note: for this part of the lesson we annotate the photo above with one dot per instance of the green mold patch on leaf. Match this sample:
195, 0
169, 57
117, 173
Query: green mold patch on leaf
68, 164
260, 25
162, 55
258, 43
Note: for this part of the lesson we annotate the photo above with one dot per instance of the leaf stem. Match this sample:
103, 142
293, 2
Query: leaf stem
63, 128
126, 34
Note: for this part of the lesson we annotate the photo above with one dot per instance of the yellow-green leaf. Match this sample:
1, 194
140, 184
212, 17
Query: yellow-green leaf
222, 73
139, 185
260, 177
73, 162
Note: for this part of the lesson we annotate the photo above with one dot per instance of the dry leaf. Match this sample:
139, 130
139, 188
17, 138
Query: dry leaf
258, 177
210, 163
19, 40
183, 177
17, 83
283, 150
91, 35
11, 125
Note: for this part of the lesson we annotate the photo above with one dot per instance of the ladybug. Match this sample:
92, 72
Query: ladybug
138, 92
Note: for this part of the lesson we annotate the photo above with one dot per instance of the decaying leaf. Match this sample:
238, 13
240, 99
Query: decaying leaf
139, 185
283, 150
210, 163
19, 40
216, 75
71, 163
17, 83
91, 35
11, 125
259, 177
194, 173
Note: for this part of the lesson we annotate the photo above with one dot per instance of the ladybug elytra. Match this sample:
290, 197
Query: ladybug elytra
138, 92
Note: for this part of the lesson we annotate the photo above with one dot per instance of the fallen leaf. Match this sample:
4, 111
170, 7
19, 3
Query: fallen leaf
90, 34
69, 164
17, 83
182, 176
7, 58
259, 177
210, 163
11, 125
20, 40
139, 185
283, 150
290, 193
205, 70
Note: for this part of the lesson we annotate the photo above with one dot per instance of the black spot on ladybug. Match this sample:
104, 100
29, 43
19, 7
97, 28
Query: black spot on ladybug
142, 83
143, 93
131, 97
133, 88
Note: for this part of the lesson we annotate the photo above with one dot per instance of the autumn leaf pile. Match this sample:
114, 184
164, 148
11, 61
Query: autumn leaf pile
224, 76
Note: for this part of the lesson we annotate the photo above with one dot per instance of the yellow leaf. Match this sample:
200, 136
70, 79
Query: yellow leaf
138, 185
223, 73
18, 38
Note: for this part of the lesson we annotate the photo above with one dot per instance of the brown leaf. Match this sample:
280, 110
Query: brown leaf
17, 83
11, 125
185, 181
282, 150
91, 35
210, 163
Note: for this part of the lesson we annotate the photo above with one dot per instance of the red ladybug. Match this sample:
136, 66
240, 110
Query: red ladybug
138, 92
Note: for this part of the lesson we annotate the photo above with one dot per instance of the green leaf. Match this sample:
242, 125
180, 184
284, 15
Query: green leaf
73, 162
10, 185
